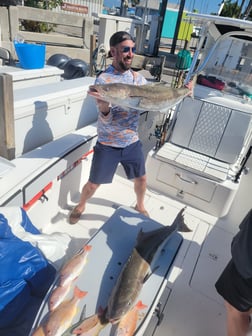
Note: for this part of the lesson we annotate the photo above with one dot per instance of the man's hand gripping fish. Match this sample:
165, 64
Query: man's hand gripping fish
152, 97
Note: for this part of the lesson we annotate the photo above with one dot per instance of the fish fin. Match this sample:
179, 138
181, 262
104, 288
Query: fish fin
39, 331
140, 305
83, 313
102, 315
70, 330
101, 311
87, 248
79, 293
179, 223
184, 228
148, 275
180, 220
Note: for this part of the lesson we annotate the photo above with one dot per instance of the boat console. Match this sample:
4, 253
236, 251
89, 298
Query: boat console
210, 135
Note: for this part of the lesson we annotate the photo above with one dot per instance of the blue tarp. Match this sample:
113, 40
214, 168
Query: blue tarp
24, 270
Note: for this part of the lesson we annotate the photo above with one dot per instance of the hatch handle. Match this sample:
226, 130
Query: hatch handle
186, 180
159, 313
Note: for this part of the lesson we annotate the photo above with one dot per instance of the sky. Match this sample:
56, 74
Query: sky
203, 6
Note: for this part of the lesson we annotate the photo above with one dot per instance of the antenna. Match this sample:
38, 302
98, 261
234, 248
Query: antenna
221, 7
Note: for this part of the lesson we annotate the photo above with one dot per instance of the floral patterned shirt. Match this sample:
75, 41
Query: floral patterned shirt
119, 127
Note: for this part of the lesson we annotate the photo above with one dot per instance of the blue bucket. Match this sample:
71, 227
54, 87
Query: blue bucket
31, 56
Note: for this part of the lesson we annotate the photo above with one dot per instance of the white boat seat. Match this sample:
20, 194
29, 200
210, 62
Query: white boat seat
195, 162
209, 139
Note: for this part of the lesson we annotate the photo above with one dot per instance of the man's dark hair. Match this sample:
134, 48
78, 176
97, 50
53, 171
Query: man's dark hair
119, 37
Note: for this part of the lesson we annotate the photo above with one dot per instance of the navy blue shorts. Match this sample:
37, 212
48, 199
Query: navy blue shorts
106, 159
234, 288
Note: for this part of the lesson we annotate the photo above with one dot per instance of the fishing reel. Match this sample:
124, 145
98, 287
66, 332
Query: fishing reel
158, 134
156, 71
161, 131
155, 66
158, 131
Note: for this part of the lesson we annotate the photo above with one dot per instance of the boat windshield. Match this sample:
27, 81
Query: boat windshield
230, 62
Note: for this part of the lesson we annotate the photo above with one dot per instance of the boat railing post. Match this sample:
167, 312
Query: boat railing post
7, 133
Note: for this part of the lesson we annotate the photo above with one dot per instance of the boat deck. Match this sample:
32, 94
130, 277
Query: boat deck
190, 303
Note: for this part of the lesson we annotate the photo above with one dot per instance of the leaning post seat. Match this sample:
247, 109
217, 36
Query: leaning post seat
200, 160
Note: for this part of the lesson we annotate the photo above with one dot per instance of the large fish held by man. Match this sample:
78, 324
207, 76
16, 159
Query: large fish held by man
150, 97
138, 269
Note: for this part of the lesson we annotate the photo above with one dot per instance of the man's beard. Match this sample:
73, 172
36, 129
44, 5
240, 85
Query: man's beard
124, 66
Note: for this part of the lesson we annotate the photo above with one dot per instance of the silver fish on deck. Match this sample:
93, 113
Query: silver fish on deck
137, 269
58, 295
149, 97
73, 267
61, 318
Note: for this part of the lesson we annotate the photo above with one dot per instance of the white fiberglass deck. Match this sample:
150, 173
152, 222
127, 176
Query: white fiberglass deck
193, 307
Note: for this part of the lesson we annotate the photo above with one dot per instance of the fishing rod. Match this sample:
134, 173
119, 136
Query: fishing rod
243, 165
161, 131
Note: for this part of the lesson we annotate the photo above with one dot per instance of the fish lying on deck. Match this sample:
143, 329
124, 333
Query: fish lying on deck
155, 97
137, 269
58, 295
73, 267
61, 318
68, 273
88, 326
128, 322
91, 326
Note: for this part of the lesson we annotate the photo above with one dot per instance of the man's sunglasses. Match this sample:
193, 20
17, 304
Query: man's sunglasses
128, 49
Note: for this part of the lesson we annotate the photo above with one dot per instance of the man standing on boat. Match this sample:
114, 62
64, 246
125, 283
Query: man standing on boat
118, 140
235, 282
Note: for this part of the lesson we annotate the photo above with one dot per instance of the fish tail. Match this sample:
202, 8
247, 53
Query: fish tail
140, 305
79, 293
101, 311
180, 221
102, 315
39, 331
87, 248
